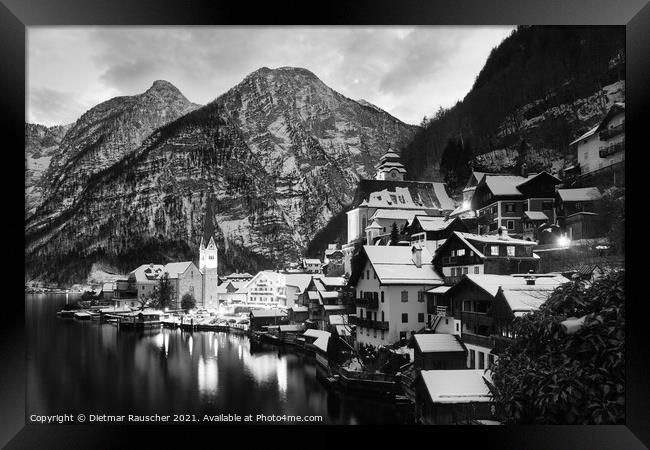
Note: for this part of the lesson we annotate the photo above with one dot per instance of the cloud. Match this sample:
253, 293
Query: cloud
408, 71
45, 104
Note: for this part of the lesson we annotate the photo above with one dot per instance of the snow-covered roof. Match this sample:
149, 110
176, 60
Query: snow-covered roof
177, 268
397, 214
334, 307
415, 195
433, 223
147, 272
493, 239
439, 290
298, 280
290, 328
329, 294
297, 308
504, 184
526, 298
456, 386
322, 338
333, 281
535, 215
316, 333
311, 261
586, 135
338, 319
491, 283
374, 225
395, 265
313, 295
274, 312
439, 342
343, 330
579, 195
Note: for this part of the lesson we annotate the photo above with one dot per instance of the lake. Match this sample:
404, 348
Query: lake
86, 367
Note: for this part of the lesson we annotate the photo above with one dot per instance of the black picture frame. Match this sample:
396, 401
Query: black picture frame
15, 15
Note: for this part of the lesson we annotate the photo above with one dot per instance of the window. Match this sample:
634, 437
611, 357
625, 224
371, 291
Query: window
510, 207
465, 270
361, 294
472, 359
586, 155
467, 305
494, 209
420, 296
511, 250
367, 274
471, 253
481, 360
374, 274
382, 296
461, 252
476, 269
453, 253
374, 316
421, 317
405, 317
494, 249
382, 316
511, 224
405, 296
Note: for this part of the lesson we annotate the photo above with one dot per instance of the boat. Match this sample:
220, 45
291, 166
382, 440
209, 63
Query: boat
66, 313
82, 315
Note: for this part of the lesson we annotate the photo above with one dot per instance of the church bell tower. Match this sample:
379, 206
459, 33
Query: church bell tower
209, 260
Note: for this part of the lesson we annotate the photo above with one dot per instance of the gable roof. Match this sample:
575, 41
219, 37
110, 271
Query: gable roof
298, 280
396, 214
456, 386
524, 299
586, 135
394, 265
273, 312
177, 268
510, 185
473, 240
433, 223
438, 343
147, 272
535, 215
579, 194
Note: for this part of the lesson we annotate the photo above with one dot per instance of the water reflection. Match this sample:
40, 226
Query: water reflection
92, 368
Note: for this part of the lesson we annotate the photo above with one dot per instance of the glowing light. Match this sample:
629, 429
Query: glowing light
564, 241
466, 204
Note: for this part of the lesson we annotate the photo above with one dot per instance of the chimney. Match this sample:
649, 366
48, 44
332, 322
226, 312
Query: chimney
530, 279
524, 170
416, 251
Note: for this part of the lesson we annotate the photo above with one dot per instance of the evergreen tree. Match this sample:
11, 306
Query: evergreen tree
394, 234
188, 302
163, 292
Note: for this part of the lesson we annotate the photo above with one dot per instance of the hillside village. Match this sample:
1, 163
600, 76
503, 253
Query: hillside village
420, 298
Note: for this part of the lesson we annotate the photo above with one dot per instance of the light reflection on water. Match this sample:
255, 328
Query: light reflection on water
87, 367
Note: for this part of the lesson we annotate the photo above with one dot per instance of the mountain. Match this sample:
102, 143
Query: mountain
278, 156
41, 145
543, 86
102, 136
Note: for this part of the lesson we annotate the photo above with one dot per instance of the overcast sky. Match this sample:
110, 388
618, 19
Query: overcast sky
408, 71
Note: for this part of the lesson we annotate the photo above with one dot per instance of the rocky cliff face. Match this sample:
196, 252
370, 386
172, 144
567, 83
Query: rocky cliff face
279, 155
41, 145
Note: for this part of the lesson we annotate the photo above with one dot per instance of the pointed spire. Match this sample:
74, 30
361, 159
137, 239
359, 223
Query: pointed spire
208, 223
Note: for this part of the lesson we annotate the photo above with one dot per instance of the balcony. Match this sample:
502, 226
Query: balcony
367, 323
476, 318
611, 132
477, 339
372, 303
604, 152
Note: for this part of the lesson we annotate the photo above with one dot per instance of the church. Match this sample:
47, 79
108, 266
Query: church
209, 261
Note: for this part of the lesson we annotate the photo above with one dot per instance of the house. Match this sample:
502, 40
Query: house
312, 265
390, 284
261, 318
184, 278
389, 191
238, 277
107, 290
267, 288
454, 397
326, 297
470, 301
511, 302
576, 212
431, 231
503, 200
603, 146
333, 260
436, 351
320, 343
585, 272
465, 253
296, 288
229, 292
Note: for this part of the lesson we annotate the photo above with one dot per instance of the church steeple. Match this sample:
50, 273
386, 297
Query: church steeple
390, 167
208, 257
